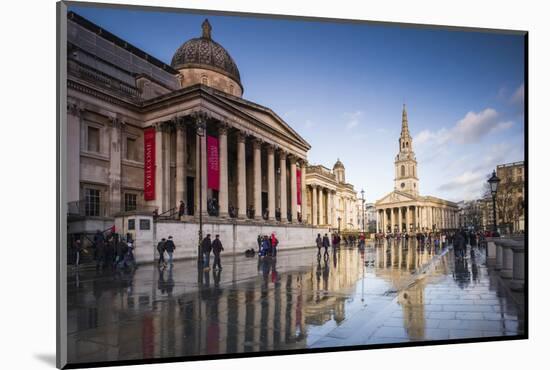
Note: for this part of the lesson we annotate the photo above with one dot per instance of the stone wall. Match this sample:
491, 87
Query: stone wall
236, 238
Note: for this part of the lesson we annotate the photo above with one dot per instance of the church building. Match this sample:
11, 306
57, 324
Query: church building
404, 209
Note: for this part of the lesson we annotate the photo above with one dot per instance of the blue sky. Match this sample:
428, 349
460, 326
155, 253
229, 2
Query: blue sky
342, 87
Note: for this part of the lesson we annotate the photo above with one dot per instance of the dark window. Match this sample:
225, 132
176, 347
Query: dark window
131, 224
92, 202
130, 202
93, 139
131, 149
144, 224
402, 170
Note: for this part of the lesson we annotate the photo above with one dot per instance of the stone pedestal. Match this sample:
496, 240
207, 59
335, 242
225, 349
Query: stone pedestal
498, 260
518, 274
507, 261
491, 253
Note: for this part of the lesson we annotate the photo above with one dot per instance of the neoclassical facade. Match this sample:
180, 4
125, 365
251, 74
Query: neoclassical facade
145, 135
404, 209
331, 201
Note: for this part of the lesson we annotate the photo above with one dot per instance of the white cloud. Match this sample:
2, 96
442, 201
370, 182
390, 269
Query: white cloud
353, 119
519, 95
470, 129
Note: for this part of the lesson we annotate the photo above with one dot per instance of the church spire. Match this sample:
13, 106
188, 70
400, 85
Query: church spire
404, 122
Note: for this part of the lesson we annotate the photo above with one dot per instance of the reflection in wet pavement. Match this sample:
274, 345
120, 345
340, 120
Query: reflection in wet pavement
388, 293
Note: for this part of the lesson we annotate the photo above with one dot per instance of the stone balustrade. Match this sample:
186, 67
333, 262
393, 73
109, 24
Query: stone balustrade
507, 256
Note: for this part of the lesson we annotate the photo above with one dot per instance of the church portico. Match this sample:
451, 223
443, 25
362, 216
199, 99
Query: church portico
404, 210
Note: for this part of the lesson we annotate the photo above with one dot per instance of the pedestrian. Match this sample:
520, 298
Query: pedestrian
206, 247
181, 211
273, 242
77, 248
99, 243
265, 246
319, 242
326, 243
161, 248
217, 248
259, 240
170, 247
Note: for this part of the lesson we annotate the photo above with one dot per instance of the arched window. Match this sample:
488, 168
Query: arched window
407, 144
402, 170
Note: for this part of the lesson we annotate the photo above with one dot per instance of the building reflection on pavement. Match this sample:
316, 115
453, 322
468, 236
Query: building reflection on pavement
389, 293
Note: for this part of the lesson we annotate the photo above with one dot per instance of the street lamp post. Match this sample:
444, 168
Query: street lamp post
201, 128
363, 201
493, 183
339, 219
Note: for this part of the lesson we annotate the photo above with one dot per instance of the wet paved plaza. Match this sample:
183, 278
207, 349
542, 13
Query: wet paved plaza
390, 293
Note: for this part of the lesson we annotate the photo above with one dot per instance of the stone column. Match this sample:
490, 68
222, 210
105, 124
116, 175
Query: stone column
180, 161
73, 152
282, 185
201, 180
408, 219
330, 217
314, 204
223, 161
115, 195
293, 191
392, 218
241, 176
271, 182
257, 146
399, 220
303, 207
159, 178
321, 198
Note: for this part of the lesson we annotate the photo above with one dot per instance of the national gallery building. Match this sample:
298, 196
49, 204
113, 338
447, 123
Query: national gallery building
144, 136
404, 209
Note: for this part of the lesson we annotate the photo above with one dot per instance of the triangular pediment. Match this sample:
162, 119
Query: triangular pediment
395, 197
264, 115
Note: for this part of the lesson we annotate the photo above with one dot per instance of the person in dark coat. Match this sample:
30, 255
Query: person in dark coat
181, 211
459, 245
161, 249
217, 248
77, 245
99, 242
206, 247
170, 247
319, 242
326, 243
259, 240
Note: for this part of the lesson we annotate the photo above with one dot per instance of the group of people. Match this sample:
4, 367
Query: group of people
110, 251
168, 247
267, 245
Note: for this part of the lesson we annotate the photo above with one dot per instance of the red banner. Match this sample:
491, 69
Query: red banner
149, 163
299, 186
213, 162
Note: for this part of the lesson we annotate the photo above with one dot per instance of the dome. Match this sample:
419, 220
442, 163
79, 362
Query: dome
203, 52
338, 164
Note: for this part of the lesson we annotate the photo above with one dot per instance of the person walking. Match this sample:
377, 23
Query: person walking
217, 248
206, 247
325, 243
99, 242
319, 242
259, 240
181, 210
170, 247
161, 248
78, 249
273, 243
